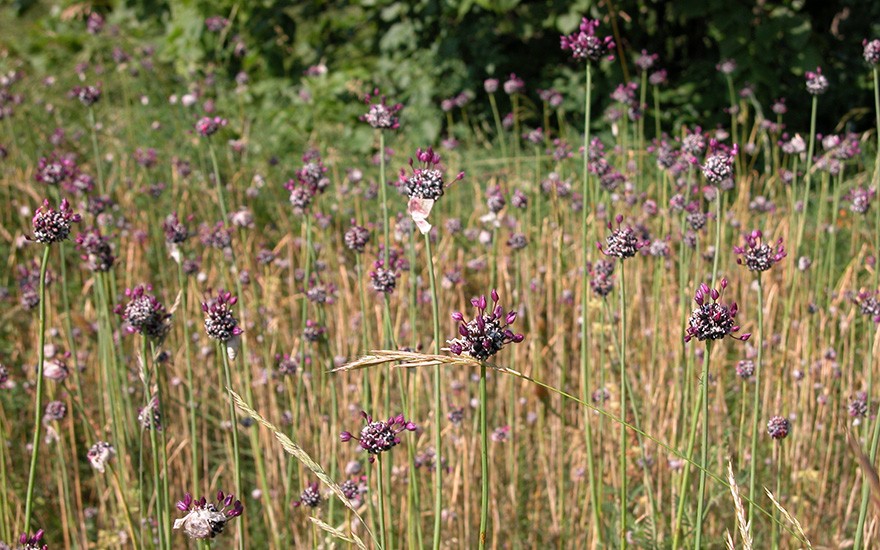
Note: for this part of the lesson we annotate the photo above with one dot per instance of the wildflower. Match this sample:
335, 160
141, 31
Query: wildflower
645, 61
217, 236
94, 23
383, 279
150, 416
517, 241
869, 305
778, 427
87, 95
313, 332
380, 115
312, 173
535, 137
584, 44
208, 126
100, 454
51, 225
220, 324
144, 313
745, 369
858, 406
519, 199
379, 436
310, 496
719, 165
55, 369
658, 78
424, 186
175, 231
726, 66
98, 252
55, 411
55, 169
817, 84
301, 195
712, 320
485, 335
490, 85
499, 434
514, 85
495, 199
354, 489
216, 23
601, 282
871, 51
32, 542
206, 520
623, 242
757, 255
356, 238
860, 198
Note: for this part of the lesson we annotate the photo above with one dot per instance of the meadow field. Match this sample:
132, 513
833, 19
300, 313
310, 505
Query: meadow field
572, 320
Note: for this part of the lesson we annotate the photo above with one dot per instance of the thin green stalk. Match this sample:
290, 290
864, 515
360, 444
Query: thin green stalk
584, 367
774, 533
154, 448
875, 438
498, 127
704, 446
808, 175
384, 194
233, 419
484, 460
217, 181
38, 403
718, 223
191, 393
438, 404
685, 476
623, 439
99, 170
756, 402
381, 490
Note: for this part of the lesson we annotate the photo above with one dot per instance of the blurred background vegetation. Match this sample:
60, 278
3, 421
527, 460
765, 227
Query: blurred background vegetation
423, 51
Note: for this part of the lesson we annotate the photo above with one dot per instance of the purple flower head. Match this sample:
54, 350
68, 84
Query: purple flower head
860, 198
535, 137
144, 313
54, 411
858, 406
175, 231
779, 106
204, 519
495, 199
869, 305
87, 95
519, 199
426, 181
711, 319
379, 436
100, 454
220, 323
356, 237
726, 66
312, 173
514, 85
32, 542
97, 250
645, 60
601, 280
380, 115
208, 126
552, 97
51, 225
584, 44
55, 169
871, 52
490, 85
216, 23
623, 242
383, 279
94, 23
216, 236
745, 369
719, 164
817, 84
310, 496
778, 427
487, 333
758, 255
658, 78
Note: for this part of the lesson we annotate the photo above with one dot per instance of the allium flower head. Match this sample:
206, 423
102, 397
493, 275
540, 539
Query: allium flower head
379, 436
758, 255
726, 66
150, 416
719, 165
51, 225
312, 173
745, 369
144, 313
381, 115
100, 454
623, 242
356, 237
658, 78
175, 231
220, 323
871, 51
310, 497
424, 186
301, 195
816, 82
87, 95
646, 60
487, 333
55, 169
55, 411
32, 542
208, 126
869, 305
94, 23
383, 279
858, 406
514, 85
490, 85
712, 320
206, 520
97, 250
584, 44
216, 23
860, 199
778, 427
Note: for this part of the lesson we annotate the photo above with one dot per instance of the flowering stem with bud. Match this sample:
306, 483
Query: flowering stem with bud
704, 446
161, 497
38, 403
234, 420
484, 460
623, 439
438, 404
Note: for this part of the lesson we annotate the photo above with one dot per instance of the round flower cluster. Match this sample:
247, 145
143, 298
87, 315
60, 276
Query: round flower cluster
100, 454
623, 242
356, 237
55, 169
778, 427
757, 255
379, 436
584, 44
719, 165
872, 51
869, 305
514, 85
817, 84
712, 320
860, 199
745, 369
517, 241
858, 407
485, 335
51, 225
175, 231
97, 250
206, 520
208, 126
310, 496
87, 95
220, 324
383, 280
381, 115
55, 410
32, 542
144, 313
426, 181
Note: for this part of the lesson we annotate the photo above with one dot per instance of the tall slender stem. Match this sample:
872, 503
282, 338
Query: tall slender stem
438, 405
381, 490
38, 403
484, 460
704, 445
233, 419
623, 441
99, 170
808, 174
756, 402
